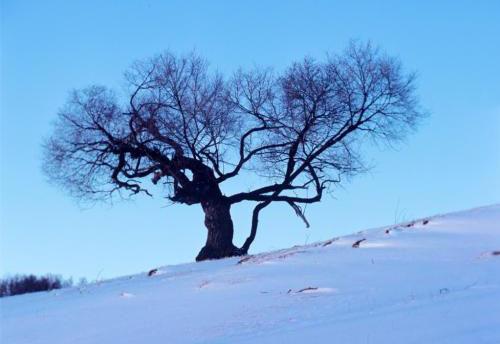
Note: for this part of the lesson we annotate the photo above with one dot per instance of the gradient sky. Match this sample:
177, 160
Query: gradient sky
49, 47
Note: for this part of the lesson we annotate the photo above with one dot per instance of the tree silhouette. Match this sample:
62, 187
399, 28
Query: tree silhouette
191, 130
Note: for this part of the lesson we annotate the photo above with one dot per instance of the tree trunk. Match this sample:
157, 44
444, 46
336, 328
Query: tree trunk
220, 231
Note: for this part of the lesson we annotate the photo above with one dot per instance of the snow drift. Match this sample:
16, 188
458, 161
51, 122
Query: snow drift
434, 280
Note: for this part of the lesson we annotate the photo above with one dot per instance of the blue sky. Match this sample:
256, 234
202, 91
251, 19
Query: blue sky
51, 47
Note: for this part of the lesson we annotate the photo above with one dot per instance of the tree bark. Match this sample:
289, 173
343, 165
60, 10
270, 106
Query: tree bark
220, 230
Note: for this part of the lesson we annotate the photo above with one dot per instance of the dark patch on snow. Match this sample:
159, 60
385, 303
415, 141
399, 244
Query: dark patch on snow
444, 291
307, 289
356, 244
329, 242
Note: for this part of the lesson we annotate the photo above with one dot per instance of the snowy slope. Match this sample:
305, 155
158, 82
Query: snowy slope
435, 280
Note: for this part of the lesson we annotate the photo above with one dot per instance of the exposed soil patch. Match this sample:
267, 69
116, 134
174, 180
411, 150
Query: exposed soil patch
329, 242
357, 243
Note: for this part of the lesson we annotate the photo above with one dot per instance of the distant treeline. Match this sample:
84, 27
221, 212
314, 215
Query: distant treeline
22, 284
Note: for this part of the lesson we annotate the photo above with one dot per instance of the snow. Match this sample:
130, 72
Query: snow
434, 280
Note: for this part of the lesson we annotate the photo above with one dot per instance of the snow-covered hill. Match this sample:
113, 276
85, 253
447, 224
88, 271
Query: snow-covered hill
435, 280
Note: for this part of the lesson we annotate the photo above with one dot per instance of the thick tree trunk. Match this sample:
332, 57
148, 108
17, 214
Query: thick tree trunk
220, 231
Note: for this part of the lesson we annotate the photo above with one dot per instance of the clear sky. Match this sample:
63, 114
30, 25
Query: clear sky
49, 47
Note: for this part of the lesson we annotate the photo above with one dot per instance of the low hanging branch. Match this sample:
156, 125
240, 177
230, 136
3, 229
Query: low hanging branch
299, 213
187, 129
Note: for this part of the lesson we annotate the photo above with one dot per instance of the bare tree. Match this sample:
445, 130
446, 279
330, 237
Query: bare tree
191, 130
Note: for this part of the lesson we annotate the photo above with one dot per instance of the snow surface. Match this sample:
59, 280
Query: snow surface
434, 280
